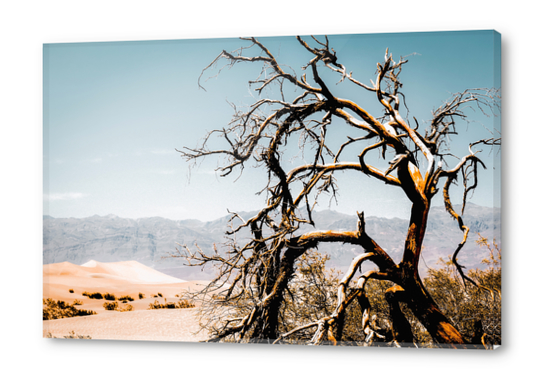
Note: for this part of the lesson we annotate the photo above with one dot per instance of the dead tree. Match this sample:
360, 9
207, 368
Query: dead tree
255, 275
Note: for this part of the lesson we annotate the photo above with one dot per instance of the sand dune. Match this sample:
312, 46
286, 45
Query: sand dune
155, 325
121, 278
130, 271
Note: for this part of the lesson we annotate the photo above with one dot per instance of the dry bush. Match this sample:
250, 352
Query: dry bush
95, 295
60, 309
109, 296
475, 310
312, 294
126, 308
171, 305
71, 335
111, 306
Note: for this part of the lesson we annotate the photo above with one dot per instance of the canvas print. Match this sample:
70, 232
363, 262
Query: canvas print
335, 190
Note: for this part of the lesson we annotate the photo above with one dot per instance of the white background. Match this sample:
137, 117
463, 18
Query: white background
26, 25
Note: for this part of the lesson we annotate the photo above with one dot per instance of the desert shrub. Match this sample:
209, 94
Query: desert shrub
109, 296
156, 305
126, 308
95, 295
171, 305
60, 309
312, 294
77, 302
141, 295
114, 306
71, 335
127, 298
185, 304
71, 291
159, 294
475, 311
111, 306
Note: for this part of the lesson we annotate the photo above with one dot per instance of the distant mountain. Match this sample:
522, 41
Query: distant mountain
149, 240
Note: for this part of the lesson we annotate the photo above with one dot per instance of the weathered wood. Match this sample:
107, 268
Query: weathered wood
260, 272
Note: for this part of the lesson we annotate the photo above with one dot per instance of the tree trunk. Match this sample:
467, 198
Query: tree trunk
427, 312
418, 299
400, 327
267, 326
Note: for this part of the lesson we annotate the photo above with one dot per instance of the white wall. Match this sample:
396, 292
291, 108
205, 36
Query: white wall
26, 25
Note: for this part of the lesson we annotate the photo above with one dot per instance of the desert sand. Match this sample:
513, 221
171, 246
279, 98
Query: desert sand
121, 278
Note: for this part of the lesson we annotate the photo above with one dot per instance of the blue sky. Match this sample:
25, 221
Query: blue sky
115, 112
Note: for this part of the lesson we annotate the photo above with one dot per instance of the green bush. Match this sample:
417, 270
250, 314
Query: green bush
126, 297
141, 296
71, 291
53, 310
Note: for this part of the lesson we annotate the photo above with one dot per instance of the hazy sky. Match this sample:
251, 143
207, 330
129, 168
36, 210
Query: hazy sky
115, 112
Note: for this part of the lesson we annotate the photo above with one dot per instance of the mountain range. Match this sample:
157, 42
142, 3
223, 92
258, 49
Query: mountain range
150, 240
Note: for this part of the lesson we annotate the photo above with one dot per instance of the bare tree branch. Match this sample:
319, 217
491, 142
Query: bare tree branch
256, 277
